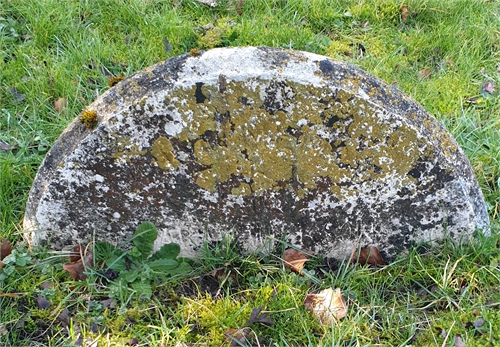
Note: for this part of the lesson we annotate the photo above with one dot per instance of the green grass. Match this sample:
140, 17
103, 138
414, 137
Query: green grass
67, 49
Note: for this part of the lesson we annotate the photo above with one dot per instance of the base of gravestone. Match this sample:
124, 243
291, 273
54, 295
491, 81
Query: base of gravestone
263, 143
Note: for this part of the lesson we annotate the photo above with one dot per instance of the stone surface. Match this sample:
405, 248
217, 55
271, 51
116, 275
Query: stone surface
262, 143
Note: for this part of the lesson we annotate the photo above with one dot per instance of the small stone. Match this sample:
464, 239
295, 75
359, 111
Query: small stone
264, 143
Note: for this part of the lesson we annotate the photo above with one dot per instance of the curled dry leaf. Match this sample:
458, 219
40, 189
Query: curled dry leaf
425, 73
5, 250
60, 104
368, 255
294, 259
404, 13
76, 269
489, 87
327, 305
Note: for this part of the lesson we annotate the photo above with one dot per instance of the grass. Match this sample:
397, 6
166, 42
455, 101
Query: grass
441, 55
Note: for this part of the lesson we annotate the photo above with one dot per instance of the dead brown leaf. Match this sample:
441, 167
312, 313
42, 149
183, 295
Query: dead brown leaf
425, 73
76, 269
5, 250
368, 255
294, 259
404, 12
257, 317
327, 305
489, 87
76, 253
60, 104
238, 337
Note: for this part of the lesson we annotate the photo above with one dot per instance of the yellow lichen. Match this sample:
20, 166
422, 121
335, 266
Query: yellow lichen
162, 150
123, 149
89, 118
268, 150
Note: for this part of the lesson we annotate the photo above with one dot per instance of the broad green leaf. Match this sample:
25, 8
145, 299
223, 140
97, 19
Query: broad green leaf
182, 269
131, 275
144, 237
143, 289
117, 261
168, 251
163, 265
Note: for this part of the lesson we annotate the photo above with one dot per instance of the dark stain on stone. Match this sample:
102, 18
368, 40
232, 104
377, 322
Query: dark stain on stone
222, 83
326, 67
198, 94
244, 101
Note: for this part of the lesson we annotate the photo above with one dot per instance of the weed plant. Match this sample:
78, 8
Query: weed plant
444, 54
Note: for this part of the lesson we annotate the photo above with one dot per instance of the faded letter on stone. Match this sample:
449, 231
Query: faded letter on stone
260, 143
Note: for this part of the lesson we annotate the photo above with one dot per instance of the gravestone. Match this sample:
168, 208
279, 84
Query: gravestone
260, 143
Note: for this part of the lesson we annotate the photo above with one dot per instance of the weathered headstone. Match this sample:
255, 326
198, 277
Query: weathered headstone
262, 143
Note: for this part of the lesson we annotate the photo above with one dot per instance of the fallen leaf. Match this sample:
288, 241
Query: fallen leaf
457, 340
294, 259
76, 253
20, 324
60, 104
489, 87
64, 317
108, 303
404, 12
327, 305
238, 337
17, 95
5, 250
6, 147
46, 285
167, 45
425, 73
368, 255
478, 322
257, 317
76, 269
42, 302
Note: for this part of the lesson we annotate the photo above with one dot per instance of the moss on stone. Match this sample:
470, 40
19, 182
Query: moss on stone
89, 118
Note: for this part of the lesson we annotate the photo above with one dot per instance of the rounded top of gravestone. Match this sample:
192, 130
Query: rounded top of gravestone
264, 144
